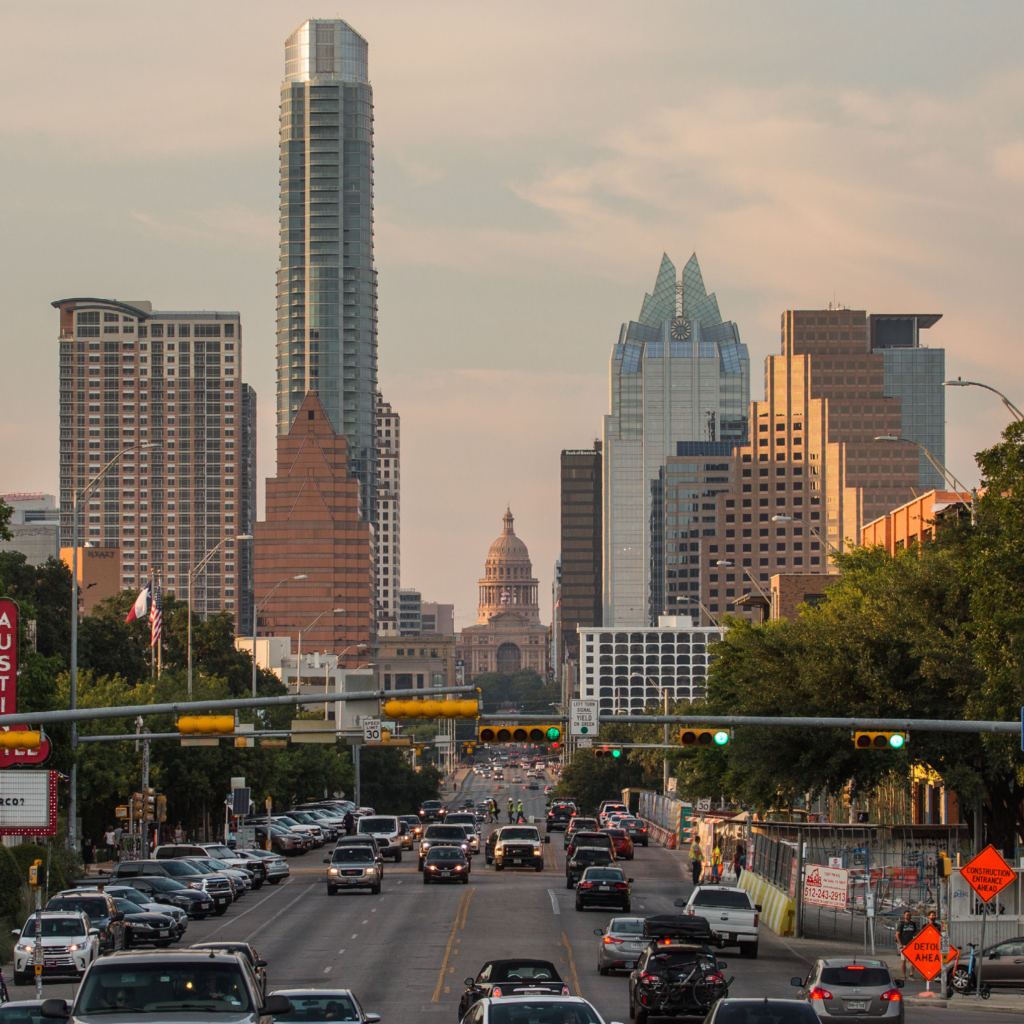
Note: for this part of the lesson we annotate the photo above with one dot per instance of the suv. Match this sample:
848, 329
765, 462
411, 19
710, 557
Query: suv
519, 846
432, 810
70, 943
468, 821
443, 835
353, 867
578, 824
102, 913
219, 887
863, 988
560, 813
582, 859
388, 833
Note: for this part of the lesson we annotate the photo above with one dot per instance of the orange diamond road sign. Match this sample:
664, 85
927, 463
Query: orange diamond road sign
924, 952
988, 874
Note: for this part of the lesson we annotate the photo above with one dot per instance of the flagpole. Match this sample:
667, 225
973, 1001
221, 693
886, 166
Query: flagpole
160, 636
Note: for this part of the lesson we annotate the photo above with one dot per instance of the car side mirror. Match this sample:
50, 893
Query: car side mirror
15, 934
900, 983
371, 1018
722, 965
261, 963
94, 931
797, 982
629, 879
327, 860
55, 1008
679, 903
276, 1004
468, 982
757, 907
995, 956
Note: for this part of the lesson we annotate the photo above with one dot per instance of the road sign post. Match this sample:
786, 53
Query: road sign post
583, 718
988, 875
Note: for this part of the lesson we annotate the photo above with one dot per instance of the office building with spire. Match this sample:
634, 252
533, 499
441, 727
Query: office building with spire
679, 373
327, 283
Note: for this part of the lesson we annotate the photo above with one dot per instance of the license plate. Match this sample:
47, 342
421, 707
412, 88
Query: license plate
222, 899
635, 945
446, 874
604, 888
163, 932
856, 1004
517, 860
206, 906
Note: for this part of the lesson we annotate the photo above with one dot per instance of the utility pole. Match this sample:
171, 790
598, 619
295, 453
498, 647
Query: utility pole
145, 799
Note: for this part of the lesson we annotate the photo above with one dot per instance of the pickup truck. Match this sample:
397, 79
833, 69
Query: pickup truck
519, 846
731, 914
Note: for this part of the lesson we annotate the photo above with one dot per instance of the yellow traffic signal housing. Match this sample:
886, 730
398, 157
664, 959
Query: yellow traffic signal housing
879, 740
33, 874
520, 734
431, 709
206, 724
12, 739
161, 808
137, 806
607, 751
945, 865
705, 737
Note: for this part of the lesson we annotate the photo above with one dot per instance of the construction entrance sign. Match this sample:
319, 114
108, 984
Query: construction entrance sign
988, 874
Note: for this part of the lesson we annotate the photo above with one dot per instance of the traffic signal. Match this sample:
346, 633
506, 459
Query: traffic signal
206, 724
33, 874
431, 709
945, 865
607, 751
161, 808
879, 740
520, 734
149, 803
705, 737
137, 806
13, 739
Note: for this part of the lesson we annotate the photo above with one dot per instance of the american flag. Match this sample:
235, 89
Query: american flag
156, 616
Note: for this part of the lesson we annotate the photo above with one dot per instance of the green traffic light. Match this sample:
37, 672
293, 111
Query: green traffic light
616, 753
554, 732
896, 740
721, 737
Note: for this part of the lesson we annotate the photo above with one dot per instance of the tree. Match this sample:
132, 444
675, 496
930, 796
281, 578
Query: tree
390, 784
525, 689
43, 593
6, 511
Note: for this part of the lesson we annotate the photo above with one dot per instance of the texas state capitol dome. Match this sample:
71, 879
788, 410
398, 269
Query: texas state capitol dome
508, 634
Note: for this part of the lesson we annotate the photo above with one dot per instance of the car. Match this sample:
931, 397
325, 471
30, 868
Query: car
492, 840
468, 821
676, 977
1002, 968
512, 978
415, 827
848, 987
534, 1010
228, 858
622, 942
276, 866
140, 899
387, 830
533, 785
142, 927
602, 887
329, 829
733, 916
609, 807
445, 864
187, 986
637, 830
519, 846
432, 810
578, 824
240, 877
70, 944
365, 841
354, 867
157, 889
283, 842
591, 840
621, 843
587, 857
218, 886
24, 1011
730, 1011
242, 949
444, 835
102, 913
313, 1004
313, 832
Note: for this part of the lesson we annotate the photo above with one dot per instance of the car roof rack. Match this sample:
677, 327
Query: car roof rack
687, 928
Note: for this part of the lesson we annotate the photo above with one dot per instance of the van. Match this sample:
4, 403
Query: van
385, 829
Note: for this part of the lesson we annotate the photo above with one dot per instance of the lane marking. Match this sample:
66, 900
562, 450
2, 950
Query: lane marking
355, 935
288, 906
340, 952
572, 964
555, 909
327, 970
250, 910
451, 942
366, 922
465, 911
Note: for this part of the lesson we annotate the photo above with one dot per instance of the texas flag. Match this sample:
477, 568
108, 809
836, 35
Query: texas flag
140, 609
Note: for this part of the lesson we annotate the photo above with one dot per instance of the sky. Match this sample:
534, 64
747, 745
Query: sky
532, 163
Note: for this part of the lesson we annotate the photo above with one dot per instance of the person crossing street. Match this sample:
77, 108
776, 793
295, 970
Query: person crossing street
511, 810
519, 811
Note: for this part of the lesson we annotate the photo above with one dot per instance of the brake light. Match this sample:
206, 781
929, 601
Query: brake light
820, 993
565, 990
610, 938
756, 916
496, 992
892, 996
621, 885
586, 885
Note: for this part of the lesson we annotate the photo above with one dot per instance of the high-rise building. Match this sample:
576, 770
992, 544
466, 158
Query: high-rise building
131, 374
579, 599
437, 619
389, 535
313, 529
246, 507
410, 612
678, 373
34, 526
327, 284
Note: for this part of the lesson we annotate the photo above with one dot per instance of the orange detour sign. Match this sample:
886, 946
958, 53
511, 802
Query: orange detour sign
988, 874
924, 952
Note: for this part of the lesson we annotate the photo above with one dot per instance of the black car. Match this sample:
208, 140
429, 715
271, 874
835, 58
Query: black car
102, 913
637, 830
242, 949
219, 887
604, 887
196, 903
583, 858
446, 864
444, 835
432, 810
142, 927
560, 813
512, 978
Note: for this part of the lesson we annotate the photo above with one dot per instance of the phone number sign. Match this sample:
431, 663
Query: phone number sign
826, 887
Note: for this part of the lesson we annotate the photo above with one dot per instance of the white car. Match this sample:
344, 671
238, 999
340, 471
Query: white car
733, 916
70, 945
532, 1010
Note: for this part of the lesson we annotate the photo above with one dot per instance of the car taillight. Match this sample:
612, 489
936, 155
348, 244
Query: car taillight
586, 885
621, 885
496, 992
611, 938
565, 990
820, 993
648, 976
892, 996
756, 916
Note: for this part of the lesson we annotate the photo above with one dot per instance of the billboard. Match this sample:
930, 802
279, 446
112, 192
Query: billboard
28, 803
825, 887
9, 688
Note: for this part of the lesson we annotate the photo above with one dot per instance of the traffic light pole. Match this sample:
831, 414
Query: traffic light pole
144, 819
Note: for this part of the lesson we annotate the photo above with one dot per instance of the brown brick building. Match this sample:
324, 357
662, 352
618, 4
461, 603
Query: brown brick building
313, 528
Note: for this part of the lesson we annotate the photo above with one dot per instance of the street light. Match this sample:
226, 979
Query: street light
255, 615
961, 383
797, 519
337, 664
192, 574
73, 803
335, 611
729, 564
946, 475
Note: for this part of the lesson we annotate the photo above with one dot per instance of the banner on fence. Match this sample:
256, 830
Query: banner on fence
826, 887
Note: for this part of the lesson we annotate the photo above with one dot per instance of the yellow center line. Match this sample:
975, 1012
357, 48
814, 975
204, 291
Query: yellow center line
465, 910
572, 965
448, 948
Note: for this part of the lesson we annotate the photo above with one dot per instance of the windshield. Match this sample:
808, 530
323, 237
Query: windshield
520, 971
326, 1007
54, 926
627, 926
604, 875
446, 832
519, 833
378, 825
578, 824
220, 851
127, 907
722, 898
548, 1012
452, 853
214, 987
461, 819
431, 805
96, 909
164, 884
855, 975
353, 855
21, 1013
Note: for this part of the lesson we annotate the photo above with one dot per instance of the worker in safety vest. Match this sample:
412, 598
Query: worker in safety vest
511, 810
716, 863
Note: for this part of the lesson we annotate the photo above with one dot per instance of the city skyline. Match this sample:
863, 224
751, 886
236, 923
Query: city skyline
495, 228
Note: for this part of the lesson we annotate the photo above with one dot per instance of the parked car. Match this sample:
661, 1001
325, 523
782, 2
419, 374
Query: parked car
194, 902
145, 927
275, 865
218, 886
70, 944
178, 916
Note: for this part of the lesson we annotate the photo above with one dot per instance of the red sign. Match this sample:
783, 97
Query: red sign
988, 874
9, 688
924, 952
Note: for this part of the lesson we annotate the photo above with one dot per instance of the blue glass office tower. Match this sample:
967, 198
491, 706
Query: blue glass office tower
327, 284
678, 373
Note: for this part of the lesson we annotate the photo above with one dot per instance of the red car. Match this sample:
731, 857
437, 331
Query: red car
621, 843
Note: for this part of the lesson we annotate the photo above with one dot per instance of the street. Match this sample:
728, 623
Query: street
407, 951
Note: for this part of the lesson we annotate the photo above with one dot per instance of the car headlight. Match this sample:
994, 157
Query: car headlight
23, 947
332, 871
74, 947
536, 853
431, 867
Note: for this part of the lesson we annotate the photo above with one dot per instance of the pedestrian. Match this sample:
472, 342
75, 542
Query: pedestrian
519, 811
110, 841
696, 860
905, 932
511, 811
716, 862
350, 824
494, 810
741, 857
88, 848
736, 869
934, 921
179, 834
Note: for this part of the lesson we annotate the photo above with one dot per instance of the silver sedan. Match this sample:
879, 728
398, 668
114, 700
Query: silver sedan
622, 942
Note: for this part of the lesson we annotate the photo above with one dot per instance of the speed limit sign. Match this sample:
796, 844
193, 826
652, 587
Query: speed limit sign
371, 730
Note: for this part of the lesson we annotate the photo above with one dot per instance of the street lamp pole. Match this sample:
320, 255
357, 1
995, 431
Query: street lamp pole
77, 494
729, 564
298, 676
255, 616
796, 519
946, 474
961, 383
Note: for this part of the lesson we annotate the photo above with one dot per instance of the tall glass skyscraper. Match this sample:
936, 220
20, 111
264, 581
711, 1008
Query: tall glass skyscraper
327, 284
678, 373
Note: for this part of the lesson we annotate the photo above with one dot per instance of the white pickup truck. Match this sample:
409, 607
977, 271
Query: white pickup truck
734, 918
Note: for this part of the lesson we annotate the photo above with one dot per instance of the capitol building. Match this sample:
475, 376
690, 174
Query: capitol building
508, 635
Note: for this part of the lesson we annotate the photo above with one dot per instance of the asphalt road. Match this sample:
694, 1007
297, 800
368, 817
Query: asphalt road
406, 952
